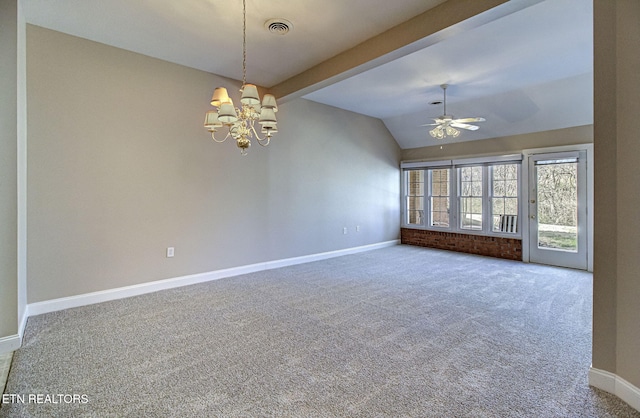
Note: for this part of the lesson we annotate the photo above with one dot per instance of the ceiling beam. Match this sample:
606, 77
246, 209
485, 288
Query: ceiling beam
428, 28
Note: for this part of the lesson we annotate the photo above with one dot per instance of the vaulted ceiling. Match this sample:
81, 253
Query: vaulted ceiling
523, 65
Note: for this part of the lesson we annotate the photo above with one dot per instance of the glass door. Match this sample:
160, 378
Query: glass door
557, 209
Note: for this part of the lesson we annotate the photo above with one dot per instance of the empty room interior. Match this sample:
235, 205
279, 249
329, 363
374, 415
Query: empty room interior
408, 208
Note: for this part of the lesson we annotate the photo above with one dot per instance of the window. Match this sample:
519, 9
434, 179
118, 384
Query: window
432, 209
439, 197
415, 197
486, 190
504, 198
471, 197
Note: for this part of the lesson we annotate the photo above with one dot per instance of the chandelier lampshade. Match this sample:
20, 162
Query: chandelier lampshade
269, 101
271, 128
220, 95
227, 113
267, 116
211, 120
250, 95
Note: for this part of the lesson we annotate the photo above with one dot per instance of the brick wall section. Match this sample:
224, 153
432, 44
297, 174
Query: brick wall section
509, 248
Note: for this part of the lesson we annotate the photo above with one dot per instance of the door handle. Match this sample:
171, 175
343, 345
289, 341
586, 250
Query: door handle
533, 200
533, 216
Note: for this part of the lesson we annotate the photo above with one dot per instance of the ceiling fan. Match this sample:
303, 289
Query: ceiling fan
446, 125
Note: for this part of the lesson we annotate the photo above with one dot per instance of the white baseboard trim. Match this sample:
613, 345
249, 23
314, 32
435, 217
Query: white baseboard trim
330, 254
614, 384
53, 305
23, 322
10, 343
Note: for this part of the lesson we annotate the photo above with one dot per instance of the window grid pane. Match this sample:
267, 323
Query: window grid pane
471, 198
415, 197
440, 198
557, 206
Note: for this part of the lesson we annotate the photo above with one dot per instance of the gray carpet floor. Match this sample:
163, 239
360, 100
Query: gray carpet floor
397, 332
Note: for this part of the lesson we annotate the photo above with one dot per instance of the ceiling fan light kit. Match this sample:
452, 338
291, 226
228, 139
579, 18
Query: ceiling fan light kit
446, 125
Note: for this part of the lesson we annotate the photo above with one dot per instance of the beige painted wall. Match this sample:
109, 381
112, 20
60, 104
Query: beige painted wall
504, 145
616, 339
120, 167
8, 168
605, 188
628, 162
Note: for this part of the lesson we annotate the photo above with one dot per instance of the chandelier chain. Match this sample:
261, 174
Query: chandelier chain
244, 42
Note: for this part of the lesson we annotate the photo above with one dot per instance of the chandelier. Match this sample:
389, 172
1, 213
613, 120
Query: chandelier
240, 122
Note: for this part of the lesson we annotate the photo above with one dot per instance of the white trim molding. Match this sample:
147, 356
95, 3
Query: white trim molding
10, 343
424, 164
75, 301
614, 384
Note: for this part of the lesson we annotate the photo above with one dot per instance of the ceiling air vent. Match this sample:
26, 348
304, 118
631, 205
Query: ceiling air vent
278, 26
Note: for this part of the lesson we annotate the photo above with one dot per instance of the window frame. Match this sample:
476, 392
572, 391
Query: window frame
483, 197
491, 196
454, 166
406, 196
430, 196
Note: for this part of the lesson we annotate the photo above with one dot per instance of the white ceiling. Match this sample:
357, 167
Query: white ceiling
529, 71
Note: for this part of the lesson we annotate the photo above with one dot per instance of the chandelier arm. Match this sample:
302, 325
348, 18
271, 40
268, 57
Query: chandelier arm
255, 133
260, 141
219, 141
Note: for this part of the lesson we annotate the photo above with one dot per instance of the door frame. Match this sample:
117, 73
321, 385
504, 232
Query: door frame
524, 185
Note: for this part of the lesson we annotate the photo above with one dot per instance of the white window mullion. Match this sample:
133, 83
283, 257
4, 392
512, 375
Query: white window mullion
487, 221
520, 200
427, 197
405, 198
453, 200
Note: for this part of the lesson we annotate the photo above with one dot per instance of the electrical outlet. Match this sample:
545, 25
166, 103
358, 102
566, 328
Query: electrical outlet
170, 252
358, 228
344, 230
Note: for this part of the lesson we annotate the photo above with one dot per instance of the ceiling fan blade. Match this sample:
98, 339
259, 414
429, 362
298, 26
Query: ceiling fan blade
467, 120
464, 126
438, 121
442, 119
